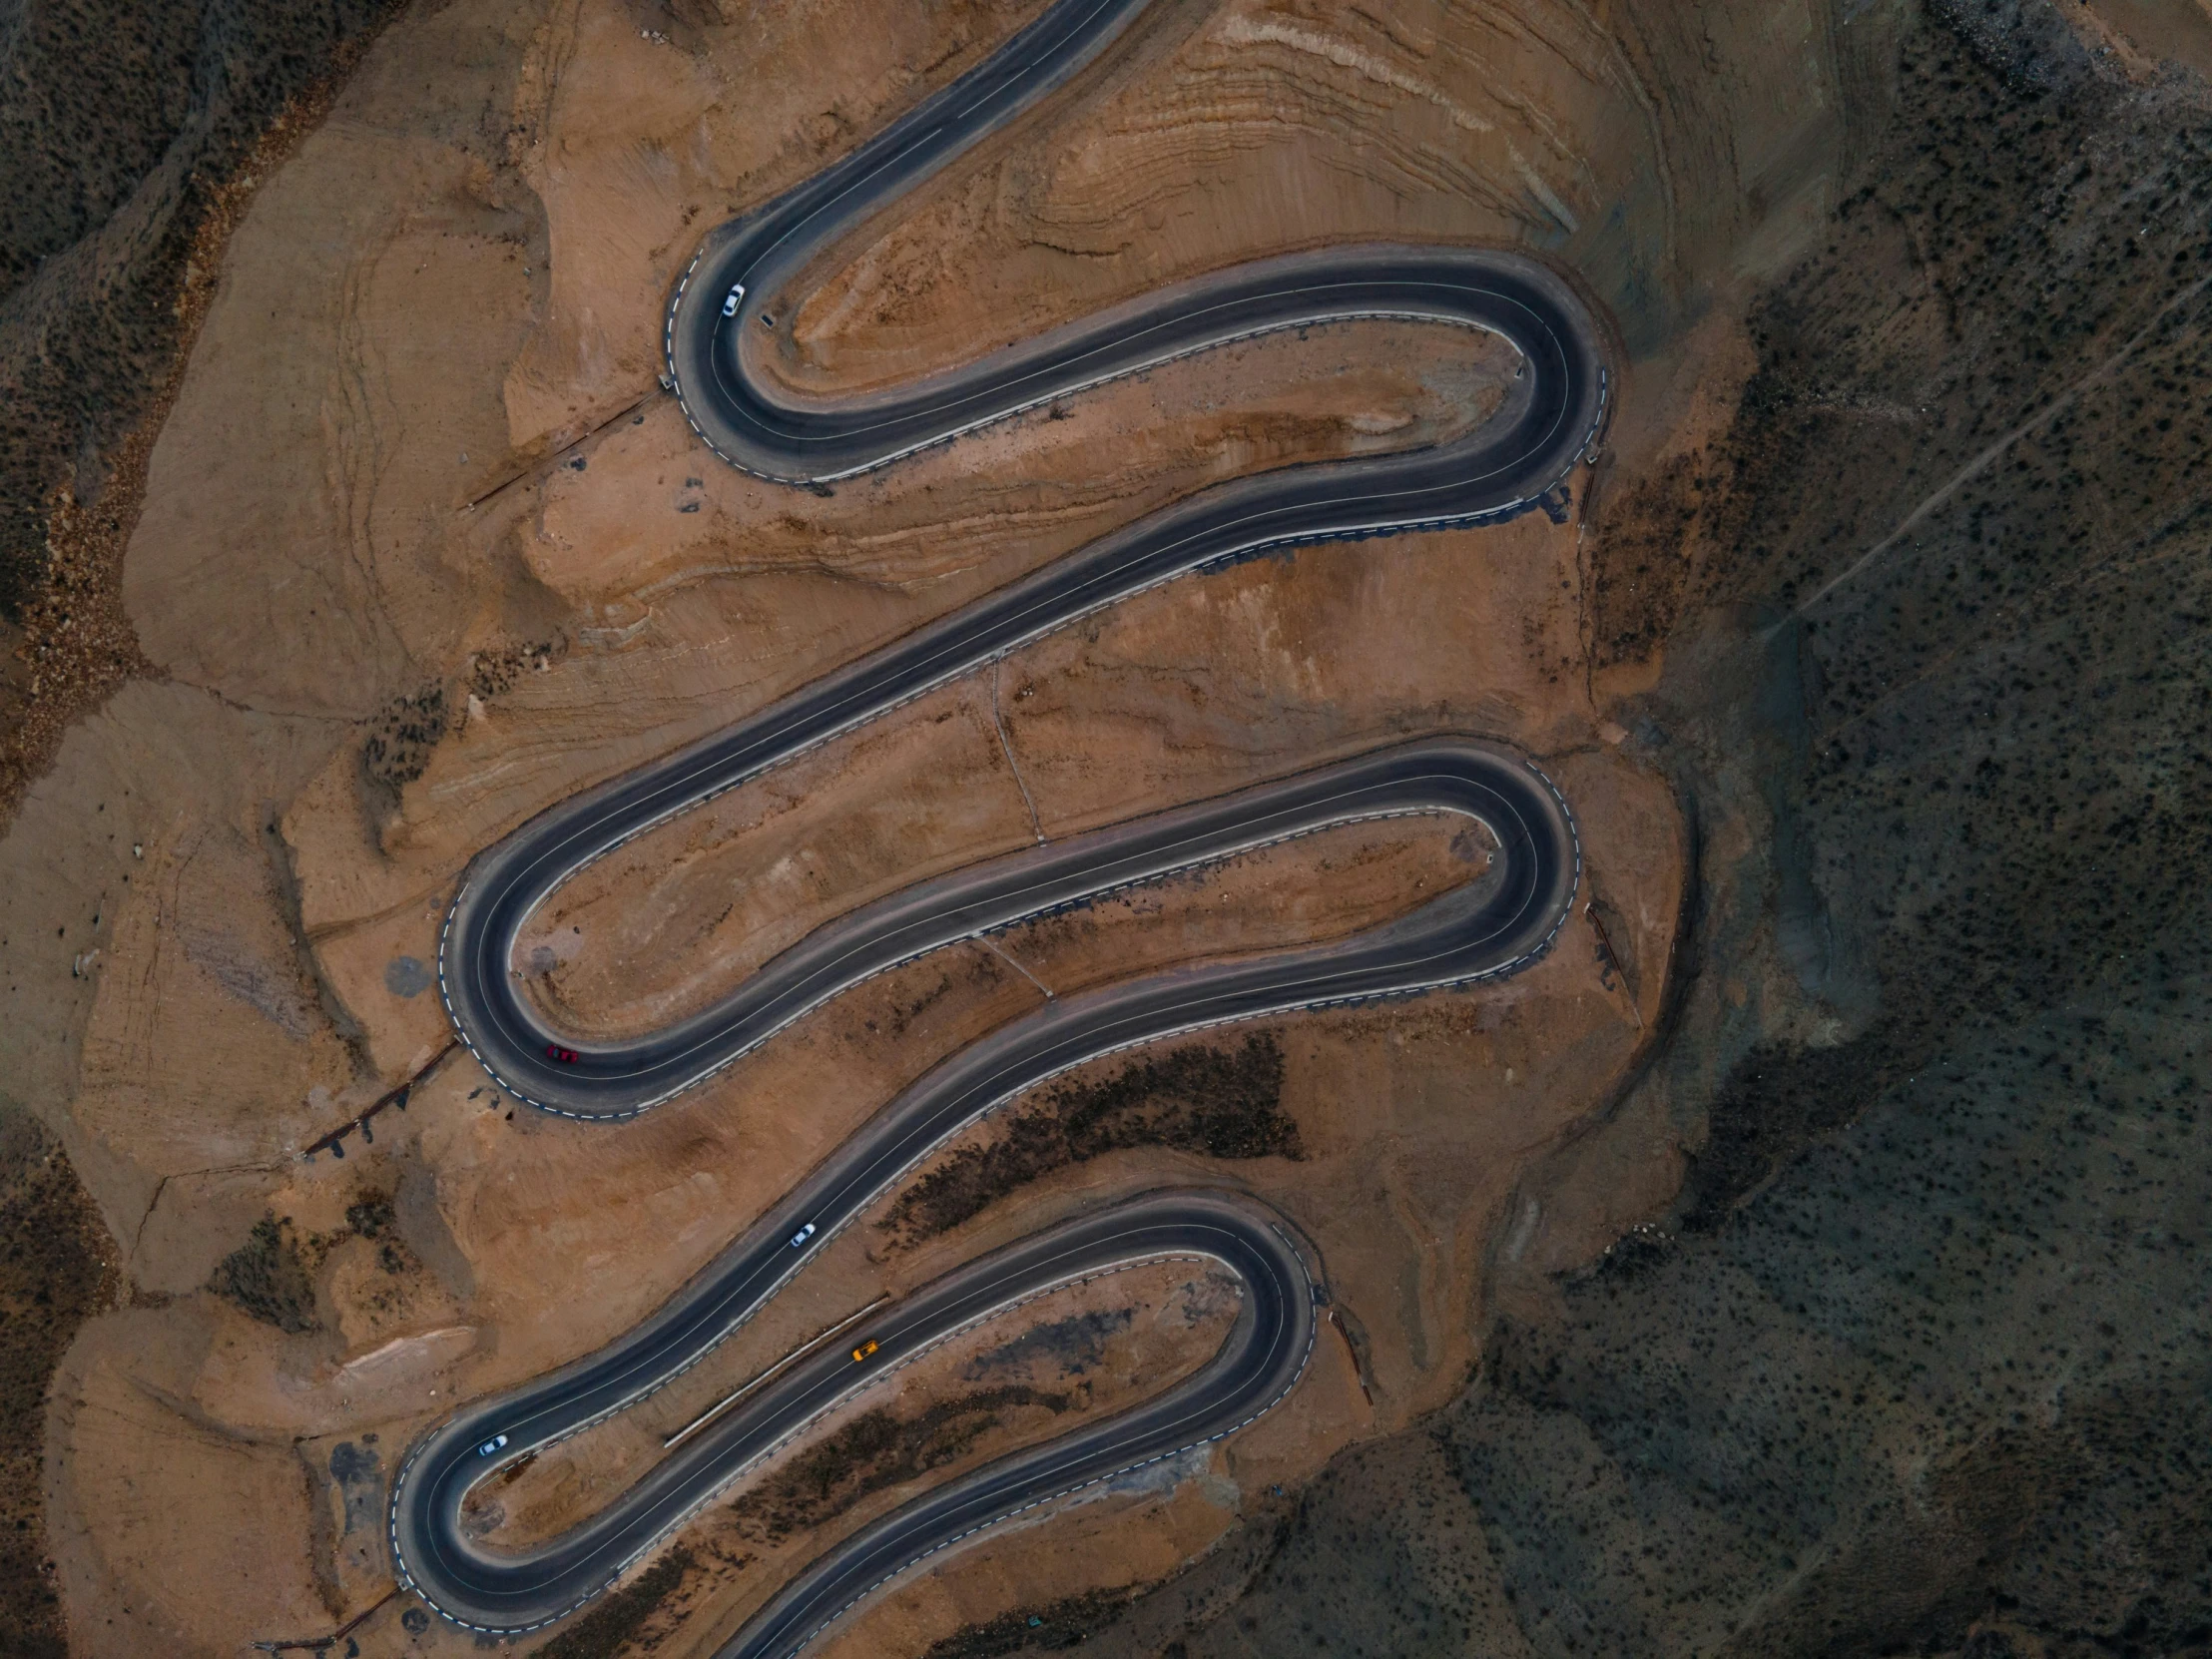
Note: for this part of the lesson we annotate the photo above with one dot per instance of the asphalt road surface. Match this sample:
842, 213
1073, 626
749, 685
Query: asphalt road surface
1487, 927
1263, 1356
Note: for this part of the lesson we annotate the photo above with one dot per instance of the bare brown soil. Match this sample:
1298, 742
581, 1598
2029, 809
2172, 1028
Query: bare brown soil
1319, 888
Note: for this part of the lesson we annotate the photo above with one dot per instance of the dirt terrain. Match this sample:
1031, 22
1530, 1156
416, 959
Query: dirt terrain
1663, 1253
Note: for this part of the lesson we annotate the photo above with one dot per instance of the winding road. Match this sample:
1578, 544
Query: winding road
721, 315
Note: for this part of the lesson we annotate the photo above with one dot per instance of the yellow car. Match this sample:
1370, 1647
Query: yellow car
862, 1352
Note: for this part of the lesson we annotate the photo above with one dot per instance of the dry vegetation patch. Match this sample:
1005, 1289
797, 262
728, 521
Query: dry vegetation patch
273, 1277
398, 746
1059, 1624
1216, 1102
267, 1279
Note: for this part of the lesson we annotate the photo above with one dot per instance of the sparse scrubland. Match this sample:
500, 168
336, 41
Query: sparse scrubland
1064, 1623
605, 1630
131, 137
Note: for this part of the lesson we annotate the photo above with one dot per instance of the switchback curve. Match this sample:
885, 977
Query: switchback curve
1552, 411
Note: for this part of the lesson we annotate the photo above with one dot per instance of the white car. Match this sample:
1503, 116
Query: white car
491, 1446
803, 1235
737, 298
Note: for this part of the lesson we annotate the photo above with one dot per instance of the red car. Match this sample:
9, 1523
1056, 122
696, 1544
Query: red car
554, 1051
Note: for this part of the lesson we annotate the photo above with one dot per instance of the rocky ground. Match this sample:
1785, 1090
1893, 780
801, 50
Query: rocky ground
1871, 661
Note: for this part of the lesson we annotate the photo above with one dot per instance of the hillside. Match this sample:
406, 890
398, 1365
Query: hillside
1808, 1255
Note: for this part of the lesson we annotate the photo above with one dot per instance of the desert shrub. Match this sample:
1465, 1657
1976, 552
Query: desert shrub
1047, 1629
266, 1278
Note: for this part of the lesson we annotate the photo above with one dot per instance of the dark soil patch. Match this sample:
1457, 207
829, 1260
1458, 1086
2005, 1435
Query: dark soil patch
53, 1277
1077, 1342
1220, 1103
267, 1279
872, 1452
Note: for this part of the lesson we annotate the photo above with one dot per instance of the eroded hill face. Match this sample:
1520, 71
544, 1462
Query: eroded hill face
425, 550
1917, 1362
